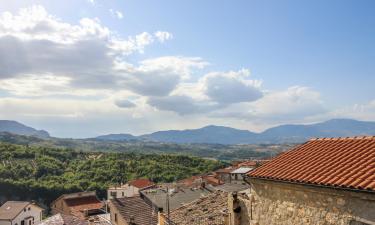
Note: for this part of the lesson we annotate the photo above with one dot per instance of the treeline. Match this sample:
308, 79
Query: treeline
42, 174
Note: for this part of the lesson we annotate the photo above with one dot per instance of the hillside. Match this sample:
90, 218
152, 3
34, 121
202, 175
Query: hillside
42, 173
208, 134
215, 151
18, 128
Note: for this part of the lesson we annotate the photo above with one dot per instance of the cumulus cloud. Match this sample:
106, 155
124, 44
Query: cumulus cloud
160, 76
117, 14
163, 36
35, 42
231, 87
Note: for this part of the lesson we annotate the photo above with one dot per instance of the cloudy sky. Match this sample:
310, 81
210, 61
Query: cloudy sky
80, 68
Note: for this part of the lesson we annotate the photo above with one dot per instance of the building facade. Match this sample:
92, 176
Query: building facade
81, 204
130, 189
20, 213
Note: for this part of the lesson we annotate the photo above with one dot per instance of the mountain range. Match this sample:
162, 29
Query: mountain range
226, 135
279, 134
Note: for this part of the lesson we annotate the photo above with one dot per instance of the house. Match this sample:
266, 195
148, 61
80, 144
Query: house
130, 189
20, 213
323, 181
62, 219
210, 209
81, 204
238, 175
224, 174
132, 211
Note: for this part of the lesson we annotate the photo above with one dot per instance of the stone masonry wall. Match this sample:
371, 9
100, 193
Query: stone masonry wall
272, 203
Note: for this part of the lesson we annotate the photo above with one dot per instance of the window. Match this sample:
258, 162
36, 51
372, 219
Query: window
115, 217
24, 209
22, 222
29, 222
114, 194
28, 209
122, 194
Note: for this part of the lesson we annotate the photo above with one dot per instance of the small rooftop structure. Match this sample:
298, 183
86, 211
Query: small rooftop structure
241, 170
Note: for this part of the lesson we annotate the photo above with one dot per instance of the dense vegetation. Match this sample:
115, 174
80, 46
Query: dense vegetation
217, 151
42, 173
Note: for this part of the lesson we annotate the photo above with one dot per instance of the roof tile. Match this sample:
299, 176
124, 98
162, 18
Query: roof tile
343, 162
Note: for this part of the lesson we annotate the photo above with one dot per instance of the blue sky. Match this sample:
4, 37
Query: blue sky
239, 64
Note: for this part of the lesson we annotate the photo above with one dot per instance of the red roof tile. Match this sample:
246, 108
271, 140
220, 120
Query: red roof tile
336, 162
141, 183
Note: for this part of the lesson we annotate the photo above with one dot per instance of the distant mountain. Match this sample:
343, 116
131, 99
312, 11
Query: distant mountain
279, 134
117, 137
21, 129
330, 128
208, 134
219, 134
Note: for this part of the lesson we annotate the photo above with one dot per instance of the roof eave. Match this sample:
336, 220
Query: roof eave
313, 185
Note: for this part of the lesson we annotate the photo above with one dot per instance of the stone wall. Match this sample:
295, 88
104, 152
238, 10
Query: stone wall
272, 203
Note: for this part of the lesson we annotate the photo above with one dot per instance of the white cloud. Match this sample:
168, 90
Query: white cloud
117, 14
85, 53
163, 36
364, 111
294, 102
231, 87
43, 58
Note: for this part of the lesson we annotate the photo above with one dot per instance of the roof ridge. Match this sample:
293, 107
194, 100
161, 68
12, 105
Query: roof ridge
343, 138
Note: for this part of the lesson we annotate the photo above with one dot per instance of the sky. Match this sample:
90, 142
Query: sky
82, 68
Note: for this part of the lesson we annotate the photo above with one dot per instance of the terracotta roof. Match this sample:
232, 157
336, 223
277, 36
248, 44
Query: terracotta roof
334, 162
79, 205
248, 164
136, 208
141, 183
212, 180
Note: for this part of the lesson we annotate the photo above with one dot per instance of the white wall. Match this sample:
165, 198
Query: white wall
124, 191
34, 211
